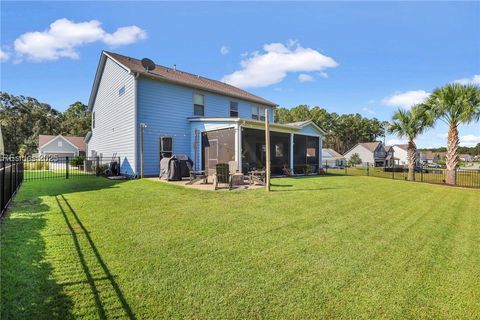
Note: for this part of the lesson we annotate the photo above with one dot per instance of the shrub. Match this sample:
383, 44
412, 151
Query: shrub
77, 161
36, 165
354, 159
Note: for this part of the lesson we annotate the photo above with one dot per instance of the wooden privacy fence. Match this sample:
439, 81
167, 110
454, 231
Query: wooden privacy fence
11, 177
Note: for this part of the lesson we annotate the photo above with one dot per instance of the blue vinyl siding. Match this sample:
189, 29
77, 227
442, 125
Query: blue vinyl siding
165, 108
115, 117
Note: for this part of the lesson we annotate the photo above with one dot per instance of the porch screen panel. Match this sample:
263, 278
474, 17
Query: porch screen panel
305, 154
299, 153
313, 152
254, 152
279, 152
218, 146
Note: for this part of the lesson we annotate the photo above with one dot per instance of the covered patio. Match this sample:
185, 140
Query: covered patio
295, 148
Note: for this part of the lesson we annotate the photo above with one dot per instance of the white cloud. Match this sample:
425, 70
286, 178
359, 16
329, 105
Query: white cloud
368, 110
473, 80
406, 99
244, 54
469, 140
303, 77
323, 74
124, 36
272, 66
391, 142
442, 135
4, 56
224, 50
63, 37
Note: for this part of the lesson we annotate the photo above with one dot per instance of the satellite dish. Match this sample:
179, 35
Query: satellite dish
148, 64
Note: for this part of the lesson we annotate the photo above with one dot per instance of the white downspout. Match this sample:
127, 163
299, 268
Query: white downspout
291, 153
135, 113
238, 146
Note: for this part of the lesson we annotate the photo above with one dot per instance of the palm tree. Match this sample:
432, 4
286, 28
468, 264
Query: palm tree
454, 104
410, 124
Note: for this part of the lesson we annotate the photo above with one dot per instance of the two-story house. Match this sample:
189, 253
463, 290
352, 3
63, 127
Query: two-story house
401, 153
374, 153
143, 115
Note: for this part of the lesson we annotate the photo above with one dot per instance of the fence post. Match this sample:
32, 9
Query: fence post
67, 163
421, 173
326, 166
12, 179
2, 180
97, 166
368, 169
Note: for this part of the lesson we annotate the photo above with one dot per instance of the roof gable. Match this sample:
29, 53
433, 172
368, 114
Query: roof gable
307, 123
77, 142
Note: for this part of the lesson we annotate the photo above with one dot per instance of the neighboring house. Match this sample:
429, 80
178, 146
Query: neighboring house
465, 157
401, 153
428, 156
182, 113
374, 153
61, 146
332, 158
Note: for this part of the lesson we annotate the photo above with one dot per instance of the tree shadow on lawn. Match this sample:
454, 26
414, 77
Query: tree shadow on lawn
95, 265
28, 290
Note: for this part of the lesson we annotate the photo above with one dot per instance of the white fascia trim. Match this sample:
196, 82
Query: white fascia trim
96, 82
310, 122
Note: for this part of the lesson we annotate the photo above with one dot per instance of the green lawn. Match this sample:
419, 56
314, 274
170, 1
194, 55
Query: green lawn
321, 247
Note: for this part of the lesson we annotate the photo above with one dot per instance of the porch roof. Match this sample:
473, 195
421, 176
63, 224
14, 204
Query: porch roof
294, 127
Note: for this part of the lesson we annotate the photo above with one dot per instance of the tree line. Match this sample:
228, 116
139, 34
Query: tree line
342, 131
24, 118
473, 151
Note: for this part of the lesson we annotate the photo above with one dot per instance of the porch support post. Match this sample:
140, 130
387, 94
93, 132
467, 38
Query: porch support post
291, 153
238, 146
320, 145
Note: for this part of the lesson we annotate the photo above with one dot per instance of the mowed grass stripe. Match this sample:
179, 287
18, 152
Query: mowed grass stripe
335, 247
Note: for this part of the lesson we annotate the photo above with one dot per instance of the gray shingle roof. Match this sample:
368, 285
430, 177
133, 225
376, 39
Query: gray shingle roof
187, 79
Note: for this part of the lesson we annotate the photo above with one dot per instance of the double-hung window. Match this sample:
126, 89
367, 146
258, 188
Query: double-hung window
258, 113
234, 109
198, 104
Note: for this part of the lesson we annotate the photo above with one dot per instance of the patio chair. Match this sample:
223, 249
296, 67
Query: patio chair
222, 175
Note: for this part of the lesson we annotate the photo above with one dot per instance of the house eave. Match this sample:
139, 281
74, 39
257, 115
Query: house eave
153, 76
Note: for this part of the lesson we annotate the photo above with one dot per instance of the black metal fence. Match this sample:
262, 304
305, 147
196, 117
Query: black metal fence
68, 168
469, 178
11, 177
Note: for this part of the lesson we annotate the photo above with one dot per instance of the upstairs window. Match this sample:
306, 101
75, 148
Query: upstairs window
166, 147
255, 113
258, 113
198, 104
234, 109
121, 91
59, 144
93, 120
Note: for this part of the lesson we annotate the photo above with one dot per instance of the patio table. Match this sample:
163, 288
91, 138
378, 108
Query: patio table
197, 175
257, 176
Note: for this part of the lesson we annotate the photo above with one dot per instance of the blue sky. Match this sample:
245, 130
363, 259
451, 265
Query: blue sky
365, 57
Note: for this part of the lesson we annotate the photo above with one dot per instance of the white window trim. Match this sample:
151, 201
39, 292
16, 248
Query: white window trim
193, 103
